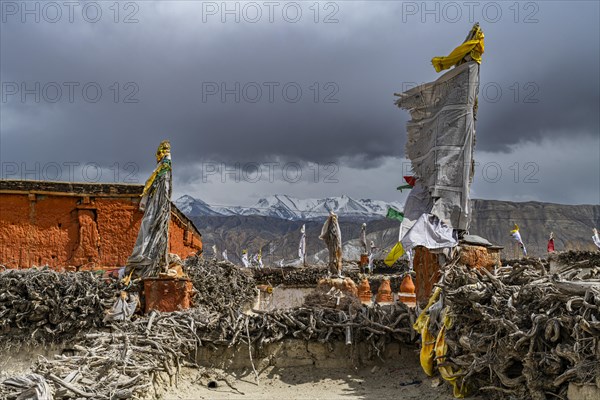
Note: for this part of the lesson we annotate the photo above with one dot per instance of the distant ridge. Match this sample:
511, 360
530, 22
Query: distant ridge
291, 208
275, 221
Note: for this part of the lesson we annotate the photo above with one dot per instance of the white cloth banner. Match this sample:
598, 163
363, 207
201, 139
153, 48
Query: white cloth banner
302, 245
441, 137
517, 236
363, 238
430, 232
596, 238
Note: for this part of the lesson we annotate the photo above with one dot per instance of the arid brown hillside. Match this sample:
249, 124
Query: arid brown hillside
572, 226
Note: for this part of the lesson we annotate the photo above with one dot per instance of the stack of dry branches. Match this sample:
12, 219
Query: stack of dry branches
331, 297
521, 331
136, 358
41, 306
132, 358
219, 285
580, 259
299, 276
309, 276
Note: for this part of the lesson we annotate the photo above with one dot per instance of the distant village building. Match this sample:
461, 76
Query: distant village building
84, 225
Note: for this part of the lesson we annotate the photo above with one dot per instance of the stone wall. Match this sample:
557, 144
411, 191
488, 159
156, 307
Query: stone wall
282, 297
291, 353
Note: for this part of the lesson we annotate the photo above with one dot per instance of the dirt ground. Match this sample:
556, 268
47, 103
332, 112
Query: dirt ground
402, 380
377, 383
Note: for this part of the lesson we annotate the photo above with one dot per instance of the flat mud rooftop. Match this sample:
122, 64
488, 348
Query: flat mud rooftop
528, 329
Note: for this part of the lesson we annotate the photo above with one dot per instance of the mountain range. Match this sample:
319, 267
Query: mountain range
291, 208
273, 225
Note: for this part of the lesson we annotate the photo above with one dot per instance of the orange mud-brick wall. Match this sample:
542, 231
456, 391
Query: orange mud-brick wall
80, 225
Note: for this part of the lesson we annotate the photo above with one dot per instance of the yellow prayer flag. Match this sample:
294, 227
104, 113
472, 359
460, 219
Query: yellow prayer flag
394, 254
474, 47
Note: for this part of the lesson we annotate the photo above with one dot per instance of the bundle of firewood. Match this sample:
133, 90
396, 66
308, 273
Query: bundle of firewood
579, 259
125, 359
132, 358
310, 276
135, 359
522, 332
41, 306
219, 285
400, 265
299, 276
334, 293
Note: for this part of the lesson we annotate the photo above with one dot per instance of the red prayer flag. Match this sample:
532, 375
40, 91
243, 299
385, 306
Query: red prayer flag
551, 246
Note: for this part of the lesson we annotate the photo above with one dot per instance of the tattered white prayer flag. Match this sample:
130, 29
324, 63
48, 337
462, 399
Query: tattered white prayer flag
517, 236
259, 258
596, 238
302, 245
363, 238
441, 136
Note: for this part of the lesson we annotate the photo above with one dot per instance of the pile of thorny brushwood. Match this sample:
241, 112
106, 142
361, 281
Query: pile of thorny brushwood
220, 286
309, 275
137, 358
524, 331
40, 306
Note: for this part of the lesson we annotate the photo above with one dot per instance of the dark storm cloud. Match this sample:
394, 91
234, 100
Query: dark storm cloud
540, 81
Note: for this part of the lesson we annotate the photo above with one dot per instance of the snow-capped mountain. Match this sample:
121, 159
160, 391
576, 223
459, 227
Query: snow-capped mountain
291, 208
191, 206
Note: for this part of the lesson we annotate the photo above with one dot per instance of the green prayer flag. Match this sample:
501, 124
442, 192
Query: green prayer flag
394, 214
400, 188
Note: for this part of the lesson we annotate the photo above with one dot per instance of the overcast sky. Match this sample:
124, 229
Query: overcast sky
292, 97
